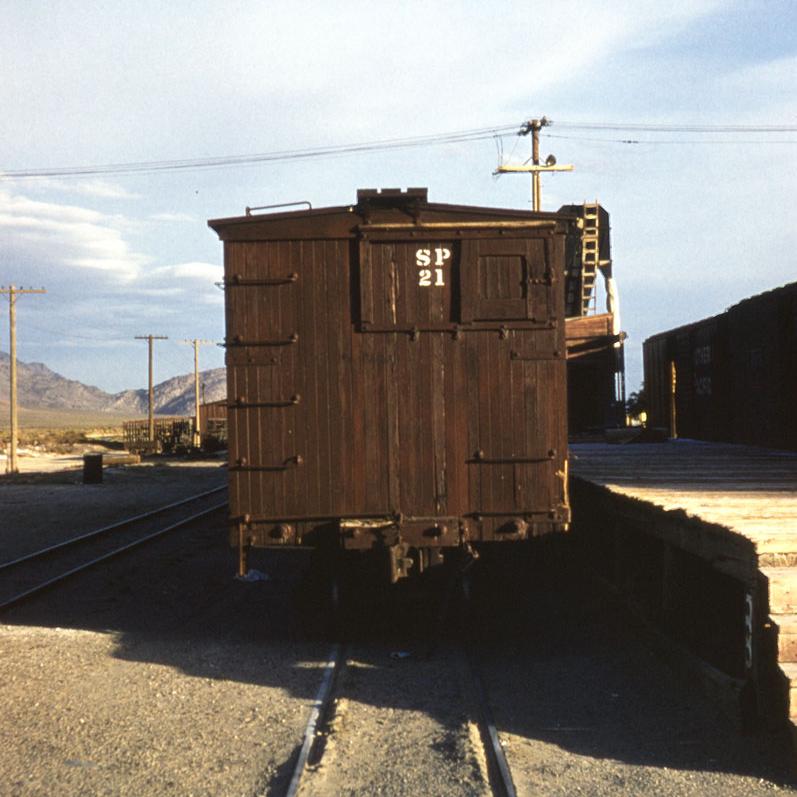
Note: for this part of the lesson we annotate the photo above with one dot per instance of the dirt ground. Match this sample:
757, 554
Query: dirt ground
148, 675
160, 674
49, 502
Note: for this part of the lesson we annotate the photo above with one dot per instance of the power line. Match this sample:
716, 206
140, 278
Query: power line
645, 141
436, 139
679, 128
281, 155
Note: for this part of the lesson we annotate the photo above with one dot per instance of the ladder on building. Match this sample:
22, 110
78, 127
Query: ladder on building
590, 256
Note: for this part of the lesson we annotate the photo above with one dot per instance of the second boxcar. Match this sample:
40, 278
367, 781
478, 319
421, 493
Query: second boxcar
396, 376
731, 377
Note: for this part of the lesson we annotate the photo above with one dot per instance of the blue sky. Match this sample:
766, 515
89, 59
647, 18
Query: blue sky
699, 221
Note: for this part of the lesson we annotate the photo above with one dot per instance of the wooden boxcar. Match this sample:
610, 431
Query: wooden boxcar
213, 424
731, 377
396, 376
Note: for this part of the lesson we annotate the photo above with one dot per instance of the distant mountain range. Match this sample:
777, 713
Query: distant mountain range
39, 387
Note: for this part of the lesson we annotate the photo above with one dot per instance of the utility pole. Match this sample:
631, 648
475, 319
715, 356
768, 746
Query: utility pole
13, 292
149, 339
534, 126
197, 342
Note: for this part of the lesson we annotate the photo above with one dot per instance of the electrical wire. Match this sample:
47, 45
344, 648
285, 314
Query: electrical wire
682, 128
437, 139
645, 141
278, 156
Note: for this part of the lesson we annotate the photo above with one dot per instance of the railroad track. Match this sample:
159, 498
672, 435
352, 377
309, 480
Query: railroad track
32, 574
320, 721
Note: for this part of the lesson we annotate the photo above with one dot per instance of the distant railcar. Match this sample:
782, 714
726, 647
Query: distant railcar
396, 376
731, 377
172, 435
213, 424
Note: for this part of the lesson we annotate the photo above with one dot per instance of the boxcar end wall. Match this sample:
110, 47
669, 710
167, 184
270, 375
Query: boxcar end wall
396, 374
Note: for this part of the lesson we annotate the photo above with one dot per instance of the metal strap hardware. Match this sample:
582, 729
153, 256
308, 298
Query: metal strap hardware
291, 462
242, 404
479, 458
503, 329
548, 355
385, 519
528, 514
464, 225
238, 341
246, 282
279, 205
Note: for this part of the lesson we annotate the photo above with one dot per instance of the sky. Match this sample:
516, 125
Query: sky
699, 220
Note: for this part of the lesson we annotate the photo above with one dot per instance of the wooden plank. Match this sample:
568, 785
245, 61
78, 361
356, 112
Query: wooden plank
787, 637
734, 507
782, 589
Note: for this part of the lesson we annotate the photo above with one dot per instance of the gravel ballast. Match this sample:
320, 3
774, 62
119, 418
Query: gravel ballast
85, 713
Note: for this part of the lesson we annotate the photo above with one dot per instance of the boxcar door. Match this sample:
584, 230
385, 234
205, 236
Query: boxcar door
470, 348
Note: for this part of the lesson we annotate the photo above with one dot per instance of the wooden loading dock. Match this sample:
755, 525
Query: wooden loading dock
702, 538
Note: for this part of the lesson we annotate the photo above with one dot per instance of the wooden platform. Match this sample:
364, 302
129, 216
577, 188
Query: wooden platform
734, 506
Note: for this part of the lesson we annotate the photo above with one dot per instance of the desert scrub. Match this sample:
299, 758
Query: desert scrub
59, 441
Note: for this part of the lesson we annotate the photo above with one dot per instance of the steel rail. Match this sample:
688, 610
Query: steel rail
498, 771
106, 529
321, 703
21, 596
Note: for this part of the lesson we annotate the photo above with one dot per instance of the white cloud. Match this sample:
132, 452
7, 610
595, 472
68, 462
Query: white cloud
209, 272
101, 189
44, 236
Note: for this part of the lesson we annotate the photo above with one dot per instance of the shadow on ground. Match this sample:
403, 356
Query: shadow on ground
561, 665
